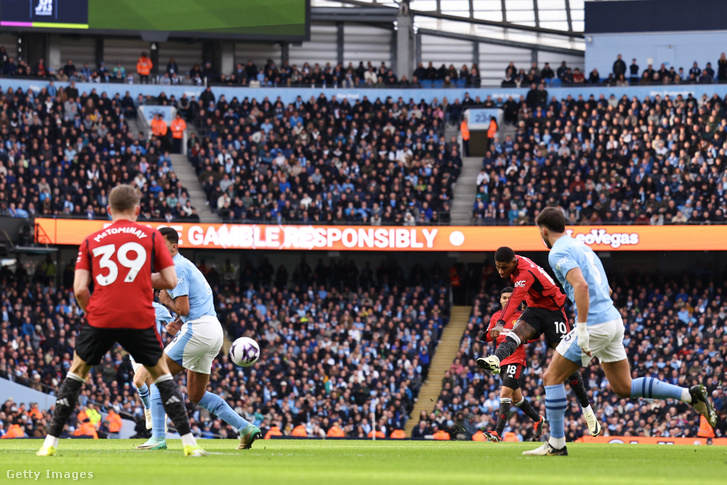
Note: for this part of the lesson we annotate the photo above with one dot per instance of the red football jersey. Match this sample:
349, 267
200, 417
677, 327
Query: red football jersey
533, 285
120, 260
517, 357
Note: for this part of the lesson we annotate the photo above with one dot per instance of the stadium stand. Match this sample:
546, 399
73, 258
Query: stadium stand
63, 150
339, 344
340, 341
269, 75
366, 74
324, 160
656, 160
675, 332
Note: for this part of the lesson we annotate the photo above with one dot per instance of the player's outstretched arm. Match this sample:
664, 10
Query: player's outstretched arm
166, 279
81, 280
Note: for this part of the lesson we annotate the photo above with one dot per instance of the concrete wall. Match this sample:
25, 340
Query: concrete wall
677, 49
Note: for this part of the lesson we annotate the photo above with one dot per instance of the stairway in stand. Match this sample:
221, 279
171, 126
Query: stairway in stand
186, 174
465, 191
443, 358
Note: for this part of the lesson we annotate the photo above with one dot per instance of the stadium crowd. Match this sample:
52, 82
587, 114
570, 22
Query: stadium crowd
675, 331
341, 343
326, 160
341, 346
271, 74
657, 160
621, 75
364, 74
63, 150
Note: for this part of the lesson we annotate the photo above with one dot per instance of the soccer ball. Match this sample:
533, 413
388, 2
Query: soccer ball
244, 351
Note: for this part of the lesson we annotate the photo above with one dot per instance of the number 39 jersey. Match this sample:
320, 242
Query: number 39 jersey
120, 260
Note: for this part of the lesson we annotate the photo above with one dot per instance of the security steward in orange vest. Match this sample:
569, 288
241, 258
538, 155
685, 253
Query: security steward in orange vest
113, 423
143, 68
273, 431
159, 129
336, 432
178, 128
465, 132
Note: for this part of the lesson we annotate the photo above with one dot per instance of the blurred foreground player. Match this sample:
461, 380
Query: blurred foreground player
512, 367
544, 315
599, 332
141, 380
118, 262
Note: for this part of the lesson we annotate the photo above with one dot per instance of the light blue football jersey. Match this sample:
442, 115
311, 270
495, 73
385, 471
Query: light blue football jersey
192, 283
163, 317
567, 254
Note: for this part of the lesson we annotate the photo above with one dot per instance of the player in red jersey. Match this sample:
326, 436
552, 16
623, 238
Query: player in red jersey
118, 261
511, 368
544, 315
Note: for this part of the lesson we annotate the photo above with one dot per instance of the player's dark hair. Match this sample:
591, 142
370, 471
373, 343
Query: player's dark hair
170, 234
504, 255
552, 219
508, 289
124, 198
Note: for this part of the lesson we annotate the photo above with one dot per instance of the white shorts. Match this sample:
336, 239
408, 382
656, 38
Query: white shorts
197, 344
606, 341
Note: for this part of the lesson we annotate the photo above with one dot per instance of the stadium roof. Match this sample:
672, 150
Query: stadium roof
554, 23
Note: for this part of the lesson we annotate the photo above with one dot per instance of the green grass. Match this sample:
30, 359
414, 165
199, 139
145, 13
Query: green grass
366, 462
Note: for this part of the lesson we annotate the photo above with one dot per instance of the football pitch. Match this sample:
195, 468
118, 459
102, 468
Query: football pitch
363, 462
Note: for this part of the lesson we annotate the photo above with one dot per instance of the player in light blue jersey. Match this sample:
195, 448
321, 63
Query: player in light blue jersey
141, 376
599, 332
198, 338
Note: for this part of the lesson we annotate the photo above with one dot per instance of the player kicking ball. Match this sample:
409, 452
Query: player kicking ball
511, 368
599, 332
118, 260
197, 341
544, 315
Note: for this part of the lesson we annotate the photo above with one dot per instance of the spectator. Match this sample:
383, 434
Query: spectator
619, 67
119, 72
172, 68
722, 68
547, 73
634, 72
695, 70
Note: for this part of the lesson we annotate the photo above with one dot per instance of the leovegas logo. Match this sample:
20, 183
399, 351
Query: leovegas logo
604, 236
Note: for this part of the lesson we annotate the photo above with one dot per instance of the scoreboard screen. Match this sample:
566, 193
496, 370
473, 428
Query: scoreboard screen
241, 19
70, 14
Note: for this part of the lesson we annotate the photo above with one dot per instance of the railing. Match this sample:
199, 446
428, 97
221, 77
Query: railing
421, 84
